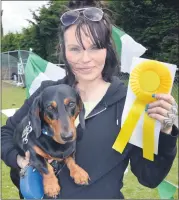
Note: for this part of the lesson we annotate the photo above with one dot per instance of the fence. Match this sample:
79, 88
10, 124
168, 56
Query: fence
9, 63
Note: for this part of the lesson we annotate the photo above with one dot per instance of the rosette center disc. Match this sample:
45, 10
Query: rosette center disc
149, 81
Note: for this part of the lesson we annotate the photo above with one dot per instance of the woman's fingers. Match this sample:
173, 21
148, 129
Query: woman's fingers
166, 97
50, 160
164, 109
23, 161
160, 103
27, 155
158, 117
157, 110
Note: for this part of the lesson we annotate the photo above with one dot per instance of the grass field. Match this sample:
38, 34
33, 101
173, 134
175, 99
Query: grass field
13, 97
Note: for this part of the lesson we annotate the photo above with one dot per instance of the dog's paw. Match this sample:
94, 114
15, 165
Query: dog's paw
51, 186
80, 176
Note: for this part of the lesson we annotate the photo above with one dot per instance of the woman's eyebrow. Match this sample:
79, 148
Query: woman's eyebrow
78, 46
73, 45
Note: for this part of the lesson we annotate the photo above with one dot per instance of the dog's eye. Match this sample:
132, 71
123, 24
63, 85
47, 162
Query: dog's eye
50, 108
71, 104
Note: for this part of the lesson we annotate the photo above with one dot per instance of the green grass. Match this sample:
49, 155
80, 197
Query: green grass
13, 97
133, 190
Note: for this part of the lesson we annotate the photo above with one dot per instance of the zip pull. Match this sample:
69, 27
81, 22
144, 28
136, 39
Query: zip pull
117, 122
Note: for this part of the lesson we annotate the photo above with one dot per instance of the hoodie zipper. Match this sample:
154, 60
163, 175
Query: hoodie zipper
96, 113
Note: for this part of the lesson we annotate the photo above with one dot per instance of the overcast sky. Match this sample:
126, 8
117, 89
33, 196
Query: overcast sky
15, 14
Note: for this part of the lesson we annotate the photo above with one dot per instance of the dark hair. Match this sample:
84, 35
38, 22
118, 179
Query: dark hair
101, 28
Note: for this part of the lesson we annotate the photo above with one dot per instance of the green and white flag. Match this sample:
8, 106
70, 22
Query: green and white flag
127, 48
38, 70
167, 190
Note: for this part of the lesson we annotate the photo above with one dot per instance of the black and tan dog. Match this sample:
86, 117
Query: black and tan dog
48, 132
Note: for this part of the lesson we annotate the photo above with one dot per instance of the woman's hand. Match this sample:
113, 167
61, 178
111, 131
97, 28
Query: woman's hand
23, 161
165, 110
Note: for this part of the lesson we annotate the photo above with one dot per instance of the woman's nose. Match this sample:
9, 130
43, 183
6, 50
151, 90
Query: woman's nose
85, 56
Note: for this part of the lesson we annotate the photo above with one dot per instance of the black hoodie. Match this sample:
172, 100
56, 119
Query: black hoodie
94, 151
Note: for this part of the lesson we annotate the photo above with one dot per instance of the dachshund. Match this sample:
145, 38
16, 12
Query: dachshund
48, 132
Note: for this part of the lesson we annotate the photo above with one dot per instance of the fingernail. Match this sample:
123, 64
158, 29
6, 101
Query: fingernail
153, 95
146, 107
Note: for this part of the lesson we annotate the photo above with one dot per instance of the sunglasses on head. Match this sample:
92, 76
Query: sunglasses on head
91, 13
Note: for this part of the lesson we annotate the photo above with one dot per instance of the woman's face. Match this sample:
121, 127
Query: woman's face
87, 64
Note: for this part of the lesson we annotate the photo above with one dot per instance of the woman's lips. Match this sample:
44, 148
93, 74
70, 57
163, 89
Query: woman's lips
84, 70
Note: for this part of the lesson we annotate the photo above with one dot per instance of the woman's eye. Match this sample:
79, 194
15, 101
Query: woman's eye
74, 49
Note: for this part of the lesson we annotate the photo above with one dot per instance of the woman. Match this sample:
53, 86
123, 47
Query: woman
90, 62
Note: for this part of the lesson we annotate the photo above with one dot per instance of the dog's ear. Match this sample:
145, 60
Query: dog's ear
82, 115
82, 111
34, 116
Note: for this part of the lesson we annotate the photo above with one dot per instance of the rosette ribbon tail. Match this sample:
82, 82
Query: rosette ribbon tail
148, 137
128, 126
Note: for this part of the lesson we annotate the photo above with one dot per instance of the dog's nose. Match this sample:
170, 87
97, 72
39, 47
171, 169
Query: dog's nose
67, 136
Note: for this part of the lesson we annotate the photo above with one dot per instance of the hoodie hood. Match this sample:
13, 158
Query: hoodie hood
116, 92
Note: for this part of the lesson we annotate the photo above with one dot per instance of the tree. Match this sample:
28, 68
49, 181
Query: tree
10, 42
154, 23
47, 29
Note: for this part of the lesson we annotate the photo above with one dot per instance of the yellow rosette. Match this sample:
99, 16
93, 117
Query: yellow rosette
149, 77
